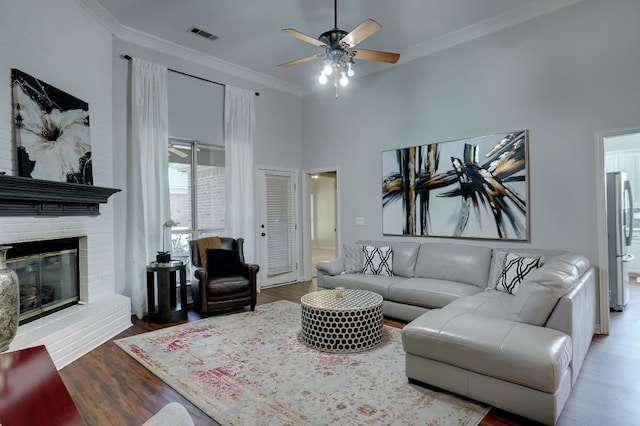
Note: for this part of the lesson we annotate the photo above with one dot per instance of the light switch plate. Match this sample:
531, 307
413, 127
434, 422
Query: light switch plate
360, 221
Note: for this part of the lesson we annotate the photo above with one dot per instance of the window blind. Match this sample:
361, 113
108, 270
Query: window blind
279, 199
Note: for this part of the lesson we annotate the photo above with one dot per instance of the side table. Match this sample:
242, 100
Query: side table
168, 309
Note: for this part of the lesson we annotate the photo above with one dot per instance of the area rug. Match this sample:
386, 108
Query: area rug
251, 368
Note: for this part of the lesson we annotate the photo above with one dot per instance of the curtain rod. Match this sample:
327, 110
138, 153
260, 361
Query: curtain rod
128, 58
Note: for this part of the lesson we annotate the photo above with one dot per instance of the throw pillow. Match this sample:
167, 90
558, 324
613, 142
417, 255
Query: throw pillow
377, 260
223, 263
497, 264
514, 269
353, 258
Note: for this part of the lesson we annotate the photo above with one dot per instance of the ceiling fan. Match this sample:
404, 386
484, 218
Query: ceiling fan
178, 150
340, 49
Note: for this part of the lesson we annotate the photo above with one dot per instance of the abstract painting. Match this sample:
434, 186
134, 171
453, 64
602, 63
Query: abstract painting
468, 188
51, 128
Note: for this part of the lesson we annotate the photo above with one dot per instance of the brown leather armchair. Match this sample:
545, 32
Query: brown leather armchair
224, 291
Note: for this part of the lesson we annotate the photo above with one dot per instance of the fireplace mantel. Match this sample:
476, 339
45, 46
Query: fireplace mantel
20, 196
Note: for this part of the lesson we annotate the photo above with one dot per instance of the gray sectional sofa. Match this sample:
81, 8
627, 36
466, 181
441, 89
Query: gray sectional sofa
519, 352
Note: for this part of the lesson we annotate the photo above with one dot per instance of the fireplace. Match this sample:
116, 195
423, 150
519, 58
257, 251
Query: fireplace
86, 309
48, 274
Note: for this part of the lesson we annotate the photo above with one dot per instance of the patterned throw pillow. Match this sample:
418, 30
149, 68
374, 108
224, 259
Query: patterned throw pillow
353, 258
514, 269
377, 260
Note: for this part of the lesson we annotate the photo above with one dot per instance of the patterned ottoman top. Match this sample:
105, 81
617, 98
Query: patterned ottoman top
353, 299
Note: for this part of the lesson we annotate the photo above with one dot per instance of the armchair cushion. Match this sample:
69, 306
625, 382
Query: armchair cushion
229, 287
223, 263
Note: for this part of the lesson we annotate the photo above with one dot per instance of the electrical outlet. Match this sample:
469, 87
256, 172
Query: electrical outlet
360, 221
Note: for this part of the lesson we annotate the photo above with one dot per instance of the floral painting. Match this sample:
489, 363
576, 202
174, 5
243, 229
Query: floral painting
468, 188
51, 128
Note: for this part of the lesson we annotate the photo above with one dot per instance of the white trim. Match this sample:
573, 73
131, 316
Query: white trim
100, 13
524, 13
601, 211
516, 16
149, 41
307, 267
156, 43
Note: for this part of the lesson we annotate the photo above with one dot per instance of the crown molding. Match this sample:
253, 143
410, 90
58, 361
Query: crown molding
100, 13
156, 43
524, 13
143, 39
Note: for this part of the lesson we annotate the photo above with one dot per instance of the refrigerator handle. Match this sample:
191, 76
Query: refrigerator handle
629, 234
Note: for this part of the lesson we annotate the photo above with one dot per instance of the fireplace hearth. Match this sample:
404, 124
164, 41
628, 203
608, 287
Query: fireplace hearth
48, 274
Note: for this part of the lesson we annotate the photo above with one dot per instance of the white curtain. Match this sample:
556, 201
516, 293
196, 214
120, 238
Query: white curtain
239, 129
147, 176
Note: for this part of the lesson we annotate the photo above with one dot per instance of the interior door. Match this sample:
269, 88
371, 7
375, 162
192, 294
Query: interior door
277, 228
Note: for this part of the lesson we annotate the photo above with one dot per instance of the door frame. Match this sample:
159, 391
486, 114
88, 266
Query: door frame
296, 219
307, 267
601, 211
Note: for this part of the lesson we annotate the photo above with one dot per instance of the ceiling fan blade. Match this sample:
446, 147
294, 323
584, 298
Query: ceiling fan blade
377, 56
302, 36
178, 152
367, 28
299, 61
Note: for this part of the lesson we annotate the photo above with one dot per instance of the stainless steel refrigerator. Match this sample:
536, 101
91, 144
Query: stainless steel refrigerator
620, 230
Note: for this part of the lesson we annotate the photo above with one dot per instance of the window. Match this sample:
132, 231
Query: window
197, 191
197, 187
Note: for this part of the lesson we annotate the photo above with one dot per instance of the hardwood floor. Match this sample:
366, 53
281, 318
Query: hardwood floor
110, 388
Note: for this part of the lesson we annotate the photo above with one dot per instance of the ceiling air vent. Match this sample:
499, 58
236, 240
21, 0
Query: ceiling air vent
203, 33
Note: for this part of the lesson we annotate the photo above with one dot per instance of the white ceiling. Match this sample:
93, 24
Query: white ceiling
249, 30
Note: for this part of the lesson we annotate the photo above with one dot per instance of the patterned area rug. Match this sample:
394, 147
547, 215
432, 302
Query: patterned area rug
250, 368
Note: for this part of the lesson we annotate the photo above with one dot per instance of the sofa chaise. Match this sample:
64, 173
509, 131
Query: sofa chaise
518, 348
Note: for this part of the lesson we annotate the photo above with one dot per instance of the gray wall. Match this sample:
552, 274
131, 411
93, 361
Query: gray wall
563, 76
278, 125
196, 109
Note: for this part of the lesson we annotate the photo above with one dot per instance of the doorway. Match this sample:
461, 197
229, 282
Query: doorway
321, 238
622, 154
617, 151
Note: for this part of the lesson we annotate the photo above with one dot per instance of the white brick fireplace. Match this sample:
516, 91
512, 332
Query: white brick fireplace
101, 313
77, 61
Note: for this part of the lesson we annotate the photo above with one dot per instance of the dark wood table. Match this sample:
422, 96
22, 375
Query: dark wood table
168, 309
32, 392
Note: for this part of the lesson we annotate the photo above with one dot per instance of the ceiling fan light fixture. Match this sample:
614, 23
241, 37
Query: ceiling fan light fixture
350, 68
340, 50
328, 67
343, 79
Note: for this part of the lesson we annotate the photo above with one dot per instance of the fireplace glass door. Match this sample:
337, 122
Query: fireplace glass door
48, 282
